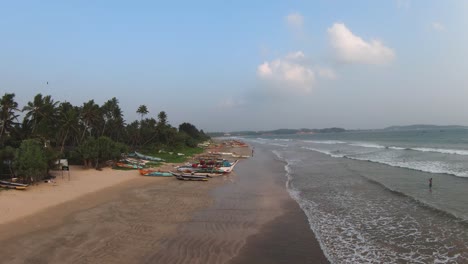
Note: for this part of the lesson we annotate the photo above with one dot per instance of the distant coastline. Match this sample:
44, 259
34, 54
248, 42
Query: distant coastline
305, 131
283, 131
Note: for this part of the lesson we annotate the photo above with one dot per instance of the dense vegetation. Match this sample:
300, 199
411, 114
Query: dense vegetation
89, 134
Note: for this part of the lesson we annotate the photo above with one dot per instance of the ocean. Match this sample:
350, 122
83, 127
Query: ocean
367, 196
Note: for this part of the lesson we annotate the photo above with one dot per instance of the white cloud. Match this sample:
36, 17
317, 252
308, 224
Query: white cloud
286, 74
351, 48
438, 26
295, 20
298, 55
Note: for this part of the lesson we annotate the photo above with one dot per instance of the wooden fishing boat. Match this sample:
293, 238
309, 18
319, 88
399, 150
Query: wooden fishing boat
139, 162
147, 157
190, 177
128, 166
149, 172
228, 169
13, 185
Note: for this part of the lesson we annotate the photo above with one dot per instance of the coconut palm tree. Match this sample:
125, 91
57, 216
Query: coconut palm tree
8, 116
142, 110
114, 123
68, 123
90, 116
42, 112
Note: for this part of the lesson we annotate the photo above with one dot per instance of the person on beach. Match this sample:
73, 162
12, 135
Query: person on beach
252, 151
430, 183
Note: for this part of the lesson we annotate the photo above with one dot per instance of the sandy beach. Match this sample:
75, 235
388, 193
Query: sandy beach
246, 217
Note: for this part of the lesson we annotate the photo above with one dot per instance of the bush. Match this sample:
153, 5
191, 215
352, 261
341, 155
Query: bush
31, 161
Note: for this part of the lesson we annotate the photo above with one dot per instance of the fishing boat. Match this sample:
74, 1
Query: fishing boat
228, 169
190, 169
139, 162
128, 165
147, 157
190, 177
149, 172
13, 185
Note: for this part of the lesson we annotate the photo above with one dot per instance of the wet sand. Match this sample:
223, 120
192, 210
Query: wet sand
247, 217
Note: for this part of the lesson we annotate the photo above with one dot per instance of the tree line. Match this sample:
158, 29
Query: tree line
89, 133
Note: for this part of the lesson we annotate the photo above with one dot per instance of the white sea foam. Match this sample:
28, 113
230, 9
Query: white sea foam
350, 228
283, 139
278, 144
426, 166
444, 151
367, 145
296, 195
396, 148
327, 152
328, 142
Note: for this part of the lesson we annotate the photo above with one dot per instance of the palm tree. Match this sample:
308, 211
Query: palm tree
42, 111
142, 110
163, 127
113, 119
68, 123
162, 118
89, 116
7, 114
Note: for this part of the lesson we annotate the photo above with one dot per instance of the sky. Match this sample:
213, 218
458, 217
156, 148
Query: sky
245, 65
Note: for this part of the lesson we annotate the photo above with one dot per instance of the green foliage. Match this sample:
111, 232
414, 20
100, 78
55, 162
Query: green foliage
90, 133
193, 132
31, 161
142, 110
7, 155
101, 149
174, 158
8, 116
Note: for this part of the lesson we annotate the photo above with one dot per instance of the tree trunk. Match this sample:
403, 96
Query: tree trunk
63, 142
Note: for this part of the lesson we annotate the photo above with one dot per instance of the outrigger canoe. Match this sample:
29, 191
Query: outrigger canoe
13, 185
146, 157
128, 166
201, 169
155, 173
190, 169
190, 177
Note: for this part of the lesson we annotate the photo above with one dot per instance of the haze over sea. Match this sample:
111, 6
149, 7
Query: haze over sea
367, 197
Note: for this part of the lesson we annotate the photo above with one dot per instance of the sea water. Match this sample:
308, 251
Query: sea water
367, 195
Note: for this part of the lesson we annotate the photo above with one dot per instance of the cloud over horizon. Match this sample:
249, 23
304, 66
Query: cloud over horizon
351, 48
292, 74
288, 73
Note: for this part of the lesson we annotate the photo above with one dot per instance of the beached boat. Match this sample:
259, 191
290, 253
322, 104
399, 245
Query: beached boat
147, 157
190, 177
148, 172
13, 185
190, 169
128, 165
140, 162
226, 167
229, 168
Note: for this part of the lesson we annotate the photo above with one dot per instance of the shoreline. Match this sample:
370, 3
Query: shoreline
148, 219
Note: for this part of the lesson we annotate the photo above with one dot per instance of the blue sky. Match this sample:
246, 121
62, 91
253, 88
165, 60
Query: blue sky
245, 65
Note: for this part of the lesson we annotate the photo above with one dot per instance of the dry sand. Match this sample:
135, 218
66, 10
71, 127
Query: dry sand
162, 220
16, 204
